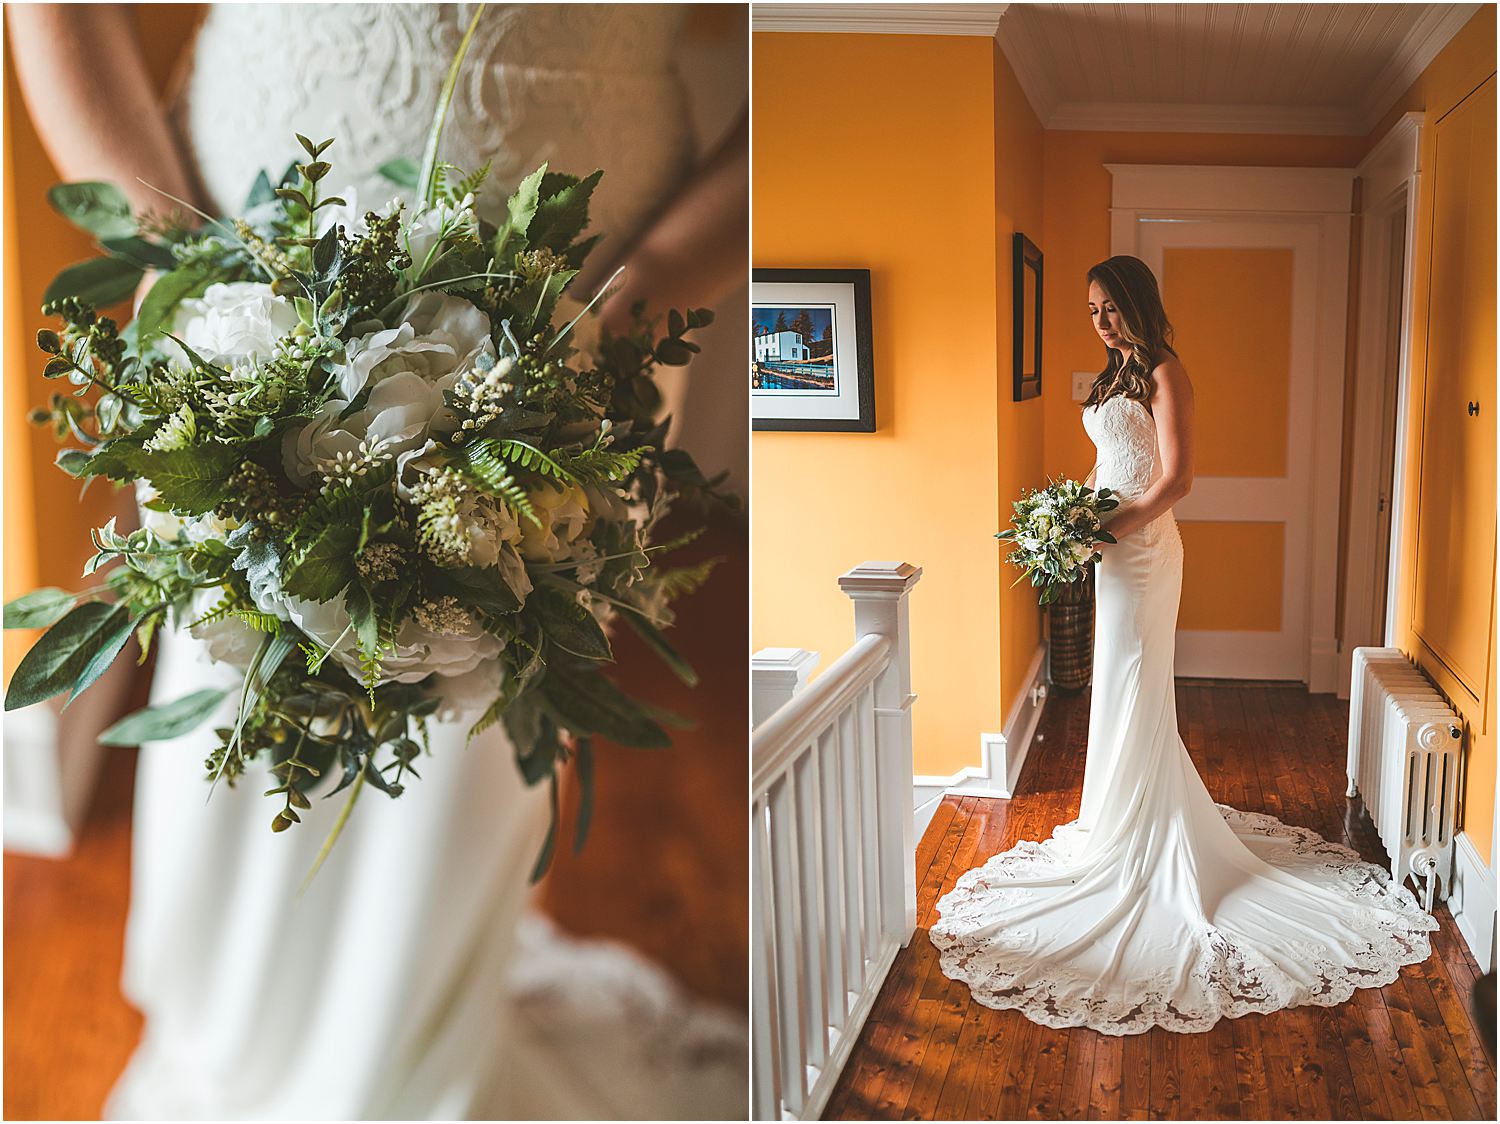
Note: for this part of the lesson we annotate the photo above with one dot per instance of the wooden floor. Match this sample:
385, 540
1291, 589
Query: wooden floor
1404, 1052
665, 868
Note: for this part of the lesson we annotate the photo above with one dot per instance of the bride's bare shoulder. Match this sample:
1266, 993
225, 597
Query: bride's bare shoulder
1170, 380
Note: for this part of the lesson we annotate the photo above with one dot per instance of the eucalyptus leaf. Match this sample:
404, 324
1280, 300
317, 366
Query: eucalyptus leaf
39, 608
165, 720
588, 703
569, 625
138, 251
99, 281
99, 208
59, 660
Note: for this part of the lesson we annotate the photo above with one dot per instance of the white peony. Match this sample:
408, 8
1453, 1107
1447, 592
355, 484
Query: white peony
468, 695
394, 420
230, 321
438, 337
419, 650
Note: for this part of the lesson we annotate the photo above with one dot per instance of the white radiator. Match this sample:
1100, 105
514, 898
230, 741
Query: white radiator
1404, 743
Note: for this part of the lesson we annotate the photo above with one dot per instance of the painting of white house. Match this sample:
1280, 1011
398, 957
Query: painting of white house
793, 350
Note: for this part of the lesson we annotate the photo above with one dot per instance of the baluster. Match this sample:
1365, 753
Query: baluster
811, 868
765, 1036
831, 831
869, 806
790, 934
853, 763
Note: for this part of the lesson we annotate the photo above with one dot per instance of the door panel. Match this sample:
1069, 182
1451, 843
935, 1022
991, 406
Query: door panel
1241, 295
1455, 536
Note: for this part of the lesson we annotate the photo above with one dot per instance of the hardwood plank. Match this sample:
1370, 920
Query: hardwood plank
1135, 1088
1078, 1076
1049, 1063
1251, 1081
942, 1044
1452, 1073
1390, 1066
1165, 1101
966, 1070
1108, 1078
1420, 1070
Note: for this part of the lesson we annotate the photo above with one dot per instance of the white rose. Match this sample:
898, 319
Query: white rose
166, 526
229, 640
419, 651
438, 336
230, 321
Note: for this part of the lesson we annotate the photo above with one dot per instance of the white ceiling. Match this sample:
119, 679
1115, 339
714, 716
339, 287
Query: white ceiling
1277, 68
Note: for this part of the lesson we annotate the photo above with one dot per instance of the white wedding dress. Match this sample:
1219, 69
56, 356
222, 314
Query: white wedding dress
408, 982
1157, 906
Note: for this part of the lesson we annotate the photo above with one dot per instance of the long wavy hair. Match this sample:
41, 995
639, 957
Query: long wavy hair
1130, 286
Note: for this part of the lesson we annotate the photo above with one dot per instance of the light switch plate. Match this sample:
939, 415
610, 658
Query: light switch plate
1082, 380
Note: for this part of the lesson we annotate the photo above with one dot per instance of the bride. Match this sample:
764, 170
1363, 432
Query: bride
1158, 907
407, 981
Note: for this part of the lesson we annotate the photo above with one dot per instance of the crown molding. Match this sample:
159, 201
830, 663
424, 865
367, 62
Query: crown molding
880, 19
1174, 117
1434, 29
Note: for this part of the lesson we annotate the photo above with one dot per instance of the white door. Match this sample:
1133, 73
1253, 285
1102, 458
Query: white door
1257, 298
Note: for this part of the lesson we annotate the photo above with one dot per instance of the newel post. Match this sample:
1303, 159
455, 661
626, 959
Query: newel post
880, 592
776, 674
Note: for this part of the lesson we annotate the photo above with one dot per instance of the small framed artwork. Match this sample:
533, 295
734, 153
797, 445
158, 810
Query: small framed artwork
810, 354
1026, 301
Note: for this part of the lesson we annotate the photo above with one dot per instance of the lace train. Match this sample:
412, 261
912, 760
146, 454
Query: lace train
1228, 973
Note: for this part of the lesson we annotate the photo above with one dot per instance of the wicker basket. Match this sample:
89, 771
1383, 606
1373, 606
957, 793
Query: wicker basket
1071, 624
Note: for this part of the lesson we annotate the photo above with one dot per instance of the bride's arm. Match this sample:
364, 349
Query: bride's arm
83, 74
1172, 407
695, 253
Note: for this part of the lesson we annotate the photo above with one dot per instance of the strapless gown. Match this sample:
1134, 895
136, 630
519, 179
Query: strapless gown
408, 981
1157, 906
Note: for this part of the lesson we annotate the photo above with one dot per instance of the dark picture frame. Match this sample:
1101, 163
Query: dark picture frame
1027, 318
836, 394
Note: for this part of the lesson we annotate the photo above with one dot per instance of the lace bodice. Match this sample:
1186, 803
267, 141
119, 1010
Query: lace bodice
582, 86
1124, 432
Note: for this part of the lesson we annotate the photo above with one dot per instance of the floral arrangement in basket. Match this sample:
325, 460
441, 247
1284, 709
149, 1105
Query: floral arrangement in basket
381, 473
1054, 531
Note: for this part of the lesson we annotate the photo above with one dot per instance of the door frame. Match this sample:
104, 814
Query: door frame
1318, 197
1389, 178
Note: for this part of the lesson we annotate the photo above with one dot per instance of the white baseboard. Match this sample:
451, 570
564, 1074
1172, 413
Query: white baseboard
1472, 900
47, 784
1001, 755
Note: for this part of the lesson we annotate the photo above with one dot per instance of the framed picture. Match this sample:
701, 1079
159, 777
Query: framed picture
810, 361
1026, 302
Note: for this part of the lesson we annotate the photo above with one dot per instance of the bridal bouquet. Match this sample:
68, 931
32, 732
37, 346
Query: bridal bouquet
1054, 531
388, 469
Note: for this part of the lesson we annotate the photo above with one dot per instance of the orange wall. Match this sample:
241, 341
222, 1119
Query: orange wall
888, 161
1459, 68
1018, 179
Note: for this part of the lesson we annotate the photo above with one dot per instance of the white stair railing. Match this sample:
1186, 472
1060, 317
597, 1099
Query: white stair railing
833, 847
